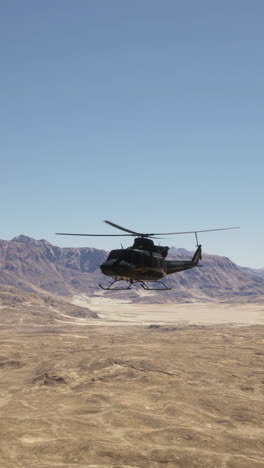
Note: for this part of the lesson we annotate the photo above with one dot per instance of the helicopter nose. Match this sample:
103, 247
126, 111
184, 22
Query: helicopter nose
105, 268
109, 267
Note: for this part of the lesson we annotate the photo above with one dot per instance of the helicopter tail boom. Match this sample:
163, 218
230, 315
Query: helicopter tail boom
174, 266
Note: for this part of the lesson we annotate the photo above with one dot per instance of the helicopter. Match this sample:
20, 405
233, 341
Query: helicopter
144, 261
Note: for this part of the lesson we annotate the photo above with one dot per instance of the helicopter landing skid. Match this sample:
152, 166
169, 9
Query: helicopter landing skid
142, 283
147, 288
109, 288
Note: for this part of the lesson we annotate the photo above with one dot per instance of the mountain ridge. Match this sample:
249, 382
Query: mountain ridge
254, 271
39, 266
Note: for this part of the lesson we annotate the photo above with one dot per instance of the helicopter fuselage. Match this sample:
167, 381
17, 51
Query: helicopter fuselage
142, 265
134, 265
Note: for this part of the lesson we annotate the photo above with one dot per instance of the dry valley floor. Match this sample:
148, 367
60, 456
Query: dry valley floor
79, 395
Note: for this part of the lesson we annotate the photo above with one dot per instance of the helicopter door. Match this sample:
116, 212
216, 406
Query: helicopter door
138, 259
147, 260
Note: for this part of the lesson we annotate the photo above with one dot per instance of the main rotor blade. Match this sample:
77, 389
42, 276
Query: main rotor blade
133, 233
122, 228
92, 235
191, 232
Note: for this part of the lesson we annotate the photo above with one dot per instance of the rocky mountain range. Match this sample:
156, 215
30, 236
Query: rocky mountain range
38, 266
254, 271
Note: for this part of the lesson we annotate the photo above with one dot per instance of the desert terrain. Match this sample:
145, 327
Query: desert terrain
130, 385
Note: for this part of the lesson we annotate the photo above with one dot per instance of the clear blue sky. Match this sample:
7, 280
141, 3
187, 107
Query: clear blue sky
148, 113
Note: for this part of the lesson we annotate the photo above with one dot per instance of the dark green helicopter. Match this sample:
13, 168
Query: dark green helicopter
144, 261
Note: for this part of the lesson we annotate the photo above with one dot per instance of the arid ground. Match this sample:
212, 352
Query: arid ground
138, 387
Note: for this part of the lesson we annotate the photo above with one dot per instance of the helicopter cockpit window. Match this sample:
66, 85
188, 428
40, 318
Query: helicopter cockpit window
113, 254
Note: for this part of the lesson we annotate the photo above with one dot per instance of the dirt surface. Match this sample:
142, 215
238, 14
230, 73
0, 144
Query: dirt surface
149, 395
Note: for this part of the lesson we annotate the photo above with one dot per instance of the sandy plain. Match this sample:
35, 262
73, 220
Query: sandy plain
143, 386
113, 311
